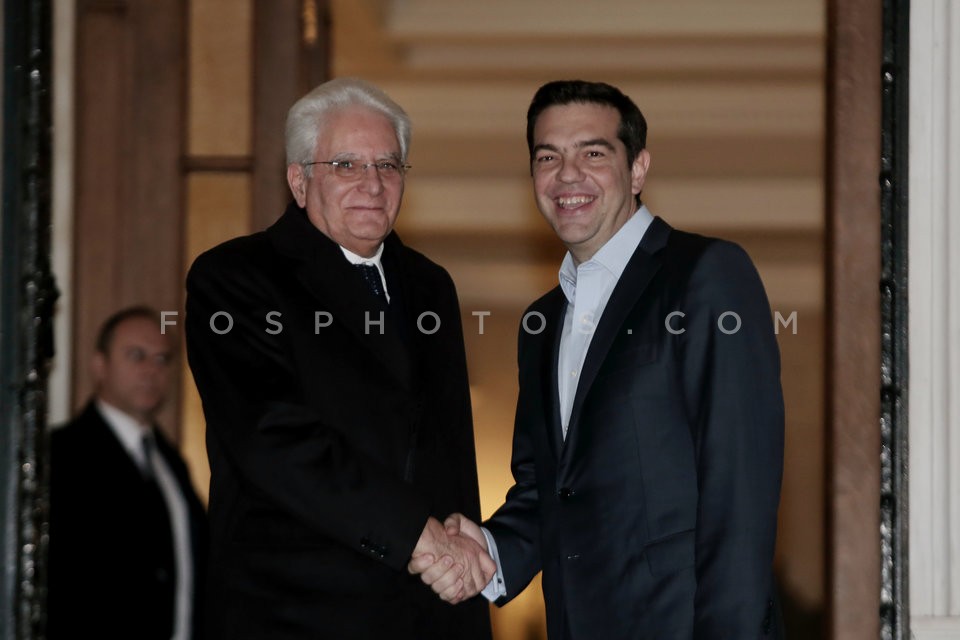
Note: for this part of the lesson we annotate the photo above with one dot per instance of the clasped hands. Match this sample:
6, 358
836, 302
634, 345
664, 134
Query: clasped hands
452, 558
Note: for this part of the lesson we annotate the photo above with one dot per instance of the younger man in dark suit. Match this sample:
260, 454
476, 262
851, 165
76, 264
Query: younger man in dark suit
127, 531
648, 444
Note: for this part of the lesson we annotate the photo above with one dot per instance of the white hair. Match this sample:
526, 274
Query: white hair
305, 118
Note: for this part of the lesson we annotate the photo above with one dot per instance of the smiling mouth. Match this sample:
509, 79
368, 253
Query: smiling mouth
573, 202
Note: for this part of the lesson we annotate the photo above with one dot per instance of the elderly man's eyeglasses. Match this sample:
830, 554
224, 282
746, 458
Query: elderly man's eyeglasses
352, 170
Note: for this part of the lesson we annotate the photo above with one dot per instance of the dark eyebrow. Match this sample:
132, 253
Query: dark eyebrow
545, 147
596, 142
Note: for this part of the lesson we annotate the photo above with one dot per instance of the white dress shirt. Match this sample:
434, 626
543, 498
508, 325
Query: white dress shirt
587, 287
131, 433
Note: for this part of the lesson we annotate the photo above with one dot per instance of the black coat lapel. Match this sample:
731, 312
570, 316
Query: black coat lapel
102, 439
404, 287
339, 289
641, 268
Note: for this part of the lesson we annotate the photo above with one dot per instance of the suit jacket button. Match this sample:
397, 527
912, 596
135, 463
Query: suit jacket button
565, 493
573, 556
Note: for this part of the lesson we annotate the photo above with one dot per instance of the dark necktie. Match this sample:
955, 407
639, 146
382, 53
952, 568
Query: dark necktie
371, 275
148, 453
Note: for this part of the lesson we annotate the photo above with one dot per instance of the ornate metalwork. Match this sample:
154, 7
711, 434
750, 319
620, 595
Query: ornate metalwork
28, 302
894, 585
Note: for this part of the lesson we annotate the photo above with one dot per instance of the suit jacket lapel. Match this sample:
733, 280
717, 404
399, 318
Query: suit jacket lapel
339, 289
107, 444
641, 268
555, 307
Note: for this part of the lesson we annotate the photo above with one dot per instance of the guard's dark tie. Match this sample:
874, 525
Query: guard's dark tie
371, 276
149, 449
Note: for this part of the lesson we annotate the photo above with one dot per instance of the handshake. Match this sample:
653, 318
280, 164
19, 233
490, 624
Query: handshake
452, 558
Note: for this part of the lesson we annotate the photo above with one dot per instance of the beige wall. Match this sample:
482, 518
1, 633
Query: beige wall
934, 520
219, 134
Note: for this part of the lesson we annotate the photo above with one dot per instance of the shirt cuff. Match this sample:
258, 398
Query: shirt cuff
496, 588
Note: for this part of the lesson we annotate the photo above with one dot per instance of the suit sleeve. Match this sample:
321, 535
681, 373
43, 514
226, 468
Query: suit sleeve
260, 427
516, 525
731, 380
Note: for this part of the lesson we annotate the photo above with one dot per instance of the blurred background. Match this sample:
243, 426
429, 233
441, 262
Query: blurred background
169, 137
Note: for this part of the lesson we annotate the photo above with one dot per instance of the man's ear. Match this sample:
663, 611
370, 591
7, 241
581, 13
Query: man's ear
638, 173
297, 181
98, 367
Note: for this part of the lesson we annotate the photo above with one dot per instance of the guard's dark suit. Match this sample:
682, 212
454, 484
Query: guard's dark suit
111, 568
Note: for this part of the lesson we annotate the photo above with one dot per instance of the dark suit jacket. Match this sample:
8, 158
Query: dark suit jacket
656, 518
107, 578
329, 445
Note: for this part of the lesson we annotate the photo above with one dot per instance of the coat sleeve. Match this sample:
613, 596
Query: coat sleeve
457, 385
731, 380
516, 525
276, 446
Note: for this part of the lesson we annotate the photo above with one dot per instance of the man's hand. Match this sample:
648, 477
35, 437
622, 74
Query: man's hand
459, 524
455, 566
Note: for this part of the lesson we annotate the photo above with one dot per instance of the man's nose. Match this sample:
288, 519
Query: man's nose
370, 179
154, 367
570, 170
